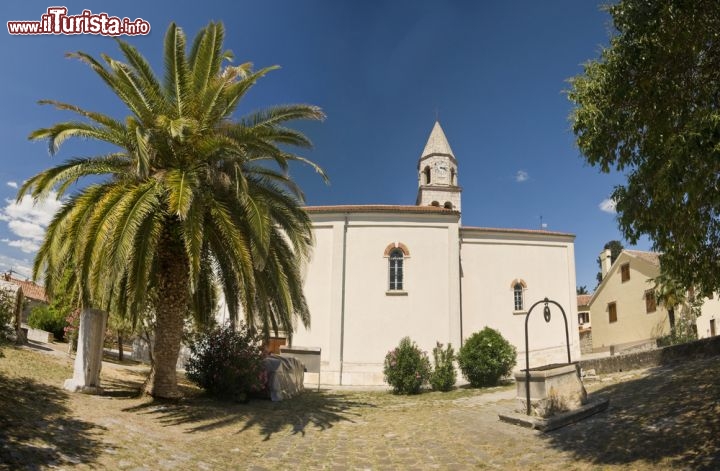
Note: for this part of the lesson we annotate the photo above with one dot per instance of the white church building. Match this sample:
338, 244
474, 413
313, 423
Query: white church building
382, 272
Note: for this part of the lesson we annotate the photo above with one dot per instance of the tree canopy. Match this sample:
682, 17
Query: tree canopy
615, 247
649, 106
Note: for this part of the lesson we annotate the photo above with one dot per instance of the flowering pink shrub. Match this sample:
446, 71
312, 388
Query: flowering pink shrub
72, 324
407, 368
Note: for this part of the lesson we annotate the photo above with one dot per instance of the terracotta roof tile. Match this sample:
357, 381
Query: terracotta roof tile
583, 299
520, 231
652, 258
378, 208
30, 289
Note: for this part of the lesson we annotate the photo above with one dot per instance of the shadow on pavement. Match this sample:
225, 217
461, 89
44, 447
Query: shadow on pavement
670, 418
320, 410
37, 429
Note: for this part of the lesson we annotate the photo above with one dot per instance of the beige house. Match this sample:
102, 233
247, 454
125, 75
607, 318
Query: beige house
623, 309
584, 326
380, 272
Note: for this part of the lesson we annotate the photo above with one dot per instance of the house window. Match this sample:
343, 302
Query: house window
650, 304
518, 296
396, 270
583, 317
625, 272
612, 312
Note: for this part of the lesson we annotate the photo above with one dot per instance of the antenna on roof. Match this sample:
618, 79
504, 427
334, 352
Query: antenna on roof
543, 225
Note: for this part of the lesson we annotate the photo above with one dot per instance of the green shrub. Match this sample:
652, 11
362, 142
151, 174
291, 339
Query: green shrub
407, 368
48, 319
7, 315
227, 363
486, 357
443, 375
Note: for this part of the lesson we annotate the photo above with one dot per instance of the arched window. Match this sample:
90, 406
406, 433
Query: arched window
435, 203
448, 205
426, 172
518, 296
453, 181
518, 288
396, 260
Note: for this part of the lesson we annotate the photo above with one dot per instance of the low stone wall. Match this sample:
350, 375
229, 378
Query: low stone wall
141, 352
698, 349
37, 335
586, 341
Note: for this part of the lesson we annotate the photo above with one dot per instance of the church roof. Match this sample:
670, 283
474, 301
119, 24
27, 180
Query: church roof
517, 231
379, 208
437, 143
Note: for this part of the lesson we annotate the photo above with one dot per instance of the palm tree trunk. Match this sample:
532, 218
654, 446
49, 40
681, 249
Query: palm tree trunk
121, 355
173, 297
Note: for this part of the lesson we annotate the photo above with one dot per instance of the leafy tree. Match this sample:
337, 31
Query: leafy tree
190, 198
581, 290
649, 106
615, 247
683, 307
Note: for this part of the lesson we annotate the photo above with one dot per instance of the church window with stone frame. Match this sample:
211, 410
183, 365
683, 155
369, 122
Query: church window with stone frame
518, 288
396, 269
396, 253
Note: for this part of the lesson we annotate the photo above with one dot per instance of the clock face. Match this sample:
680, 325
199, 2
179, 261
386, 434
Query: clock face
442, 170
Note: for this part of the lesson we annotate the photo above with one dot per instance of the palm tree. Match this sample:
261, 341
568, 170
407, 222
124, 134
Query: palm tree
190, 200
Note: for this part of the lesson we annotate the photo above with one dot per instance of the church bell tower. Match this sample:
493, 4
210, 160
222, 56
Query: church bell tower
437, 173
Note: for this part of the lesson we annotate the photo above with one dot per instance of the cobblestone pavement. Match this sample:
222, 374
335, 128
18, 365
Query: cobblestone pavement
661, 418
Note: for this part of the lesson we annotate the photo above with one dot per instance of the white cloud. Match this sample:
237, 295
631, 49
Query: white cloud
521, 176
607, 205
12, 184
27, 246
28, 230
22, 267
28, 220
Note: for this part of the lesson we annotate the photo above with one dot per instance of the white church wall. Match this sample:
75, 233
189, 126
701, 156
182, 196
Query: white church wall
375, 318
491, 261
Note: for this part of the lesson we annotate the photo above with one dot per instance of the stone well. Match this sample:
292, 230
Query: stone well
554, 389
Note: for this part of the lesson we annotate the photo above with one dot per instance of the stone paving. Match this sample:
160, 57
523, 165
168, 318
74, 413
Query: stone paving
661, 418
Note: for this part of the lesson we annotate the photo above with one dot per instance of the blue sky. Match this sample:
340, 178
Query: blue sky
494, 72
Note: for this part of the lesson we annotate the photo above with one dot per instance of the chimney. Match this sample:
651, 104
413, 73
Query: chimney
605, 262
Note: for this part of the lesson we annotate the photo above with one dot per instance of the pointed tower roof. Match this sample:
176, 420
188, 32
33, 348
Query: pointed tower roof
437, 143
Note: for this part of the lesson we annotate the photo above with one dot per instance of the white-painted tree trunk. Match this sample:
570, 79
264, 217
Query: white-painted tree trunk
88, 360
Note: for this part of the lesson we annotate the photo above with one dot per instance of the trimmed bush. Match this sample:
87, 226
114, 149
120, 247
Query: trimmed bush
407, 368
443, 375
486, 357
227, 363
48, 319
